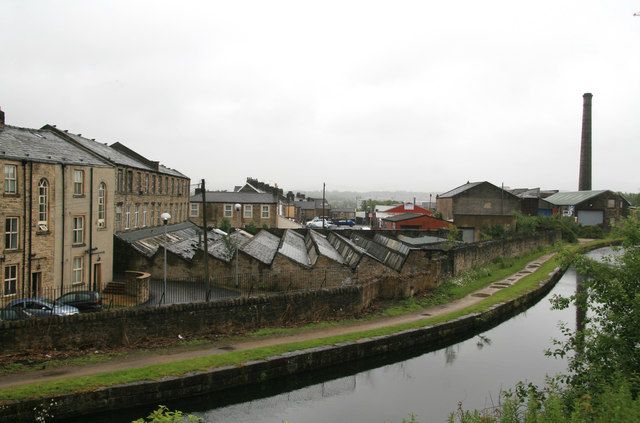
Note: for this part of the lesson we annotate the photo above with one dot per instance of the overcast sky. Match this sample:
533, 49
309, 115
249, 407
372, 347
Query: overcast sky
367, 95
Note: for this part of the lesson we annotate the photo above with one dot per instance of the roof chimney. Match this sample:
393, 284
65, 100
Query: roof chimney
584, 181
1, 118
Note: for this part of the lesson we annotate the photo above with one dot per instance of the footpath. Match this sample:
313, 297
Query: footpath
168, 356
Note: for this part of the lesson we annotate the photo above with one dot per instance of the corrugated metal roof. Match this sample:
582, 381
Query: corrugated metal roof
421, 240
383, 254
42, 145
293, 247
148, 240
324, 247
460, 189
391, 243
573, 197
235, 197
263, 247
403, 216
349, 251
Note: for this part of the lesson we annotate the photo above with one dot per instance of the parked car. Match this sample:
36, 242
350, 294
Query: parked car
13, 314
344, 222
40, 307
85, 301
316, 222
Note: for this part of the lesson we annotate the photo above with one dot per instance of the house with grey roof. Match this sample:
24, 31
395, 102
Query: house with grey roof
236, 209
594, 207
55, 201
476, 205
144, 189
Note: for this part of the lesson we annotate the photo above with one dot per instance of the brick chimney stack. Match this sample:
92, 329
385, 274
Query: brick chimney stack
1, 118
584, 181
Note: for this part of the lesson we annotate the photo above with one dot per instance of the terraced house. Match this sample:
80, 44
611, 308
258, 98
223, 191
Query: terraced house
144, 189
55, 197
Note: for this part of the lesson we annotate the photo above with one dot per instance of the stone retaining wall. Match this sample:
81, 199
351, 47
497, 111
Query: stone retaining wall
158, 392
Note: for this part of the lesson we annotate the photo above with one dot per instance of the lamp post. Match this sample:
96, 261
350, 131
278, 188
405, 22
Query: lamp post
165, 218
235, 244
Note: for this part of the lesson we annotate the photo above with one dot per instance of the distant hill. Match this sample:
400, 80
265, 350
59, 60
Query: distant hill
348, 198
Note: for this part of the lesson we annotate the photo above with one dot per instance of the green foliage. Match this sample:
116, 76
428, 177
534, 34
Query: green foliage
634, 198
225, 225
453, 235
371, 204
163, 415
251, 228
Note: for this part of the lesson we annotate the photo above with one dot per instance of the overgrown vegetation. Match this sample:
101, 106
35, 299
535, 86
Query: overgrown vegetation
531, 225
603, 380
163, 415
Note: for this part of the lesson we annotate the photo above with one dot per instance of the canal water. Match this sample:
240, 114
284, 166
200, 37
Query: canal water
428, 384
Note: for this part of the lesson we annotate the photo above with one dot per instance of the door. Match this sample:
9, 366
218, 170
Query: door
467, 234
36, 284
97, 276
590, 217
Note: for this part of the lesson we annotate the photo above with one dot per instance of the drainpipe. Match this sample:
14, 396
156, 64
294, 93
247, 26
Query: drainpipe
24, 221
90, 224
30, 220
62, 195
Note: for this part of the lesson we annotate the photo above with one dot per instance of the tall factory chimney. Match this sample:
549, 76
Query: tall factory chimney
584, 181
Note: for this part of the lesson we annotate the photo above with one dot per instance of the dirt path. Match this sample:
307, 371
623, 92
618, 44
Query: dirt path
150, 358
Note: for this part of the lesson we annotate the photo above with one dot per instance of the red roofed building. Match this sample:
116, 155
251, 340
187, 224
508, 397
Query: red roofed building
414, 221
409, 208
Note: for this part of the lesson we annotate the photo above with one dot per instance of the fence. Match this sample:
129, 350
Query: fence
135, 291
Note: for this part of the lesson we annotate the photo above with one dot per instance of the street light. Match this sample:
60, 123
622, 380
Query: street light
235, 245
165, 218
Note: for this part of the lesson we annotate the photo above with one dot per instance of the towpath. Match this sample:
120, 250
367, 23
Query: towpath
154, 357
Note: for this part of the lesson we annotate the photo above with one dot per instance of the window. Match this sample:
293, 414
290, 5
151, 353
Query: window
248, 211
152, 220
135, 216
118, 217
129, 181
166, 184
102, 212
43, 204
611, 203
11, 233
153, 184
144, 216
120, 181
78, 230
228, 210
265, 212
10, 279
146, 183
173, 186
77, 270
138, 182
159, 184
10, 179
127, 218
194, 210
78, 182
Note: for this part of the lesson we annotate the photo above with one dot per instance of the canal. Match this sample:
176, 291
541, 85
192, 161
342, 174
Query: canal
429, 383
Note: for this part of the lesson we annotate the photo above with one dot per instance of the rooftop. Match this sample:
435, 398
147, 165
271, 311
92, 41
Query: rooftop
235, 197
571, 198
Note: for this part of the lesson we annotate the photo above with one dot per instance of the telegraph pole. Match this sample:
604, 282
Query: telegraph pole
323, 218
204, 228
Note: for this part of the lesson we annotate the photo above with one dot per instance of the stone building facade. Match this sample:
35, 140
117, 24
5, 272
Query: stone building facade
144, 189
53, 197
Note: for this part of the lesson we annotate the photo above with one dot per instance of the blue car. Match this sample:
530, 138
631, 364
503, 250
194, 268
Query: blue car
344, 222
40, 307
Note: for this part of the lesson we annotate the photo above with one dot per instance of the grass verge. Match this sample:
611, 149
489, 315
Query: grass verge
156, 372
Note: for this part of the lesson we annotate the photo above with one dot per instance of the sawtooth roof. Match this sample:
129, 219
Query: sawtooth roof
263, 247
293, 246
42, 145
148, 240
324, 247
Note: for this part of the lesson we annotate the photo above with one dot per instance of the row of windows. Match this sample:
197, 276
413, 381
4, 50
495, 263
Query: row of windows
12, 231
247, 211
10, 285
150, 184
143, 215
10, 187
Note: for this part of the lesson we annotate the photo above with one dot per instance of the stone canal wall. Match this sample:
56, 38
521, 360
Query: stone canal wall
219, 379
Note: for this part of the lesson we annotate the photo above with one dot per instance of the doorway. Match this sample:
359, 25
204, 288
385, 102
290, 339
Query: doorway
97, 276
35, 285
